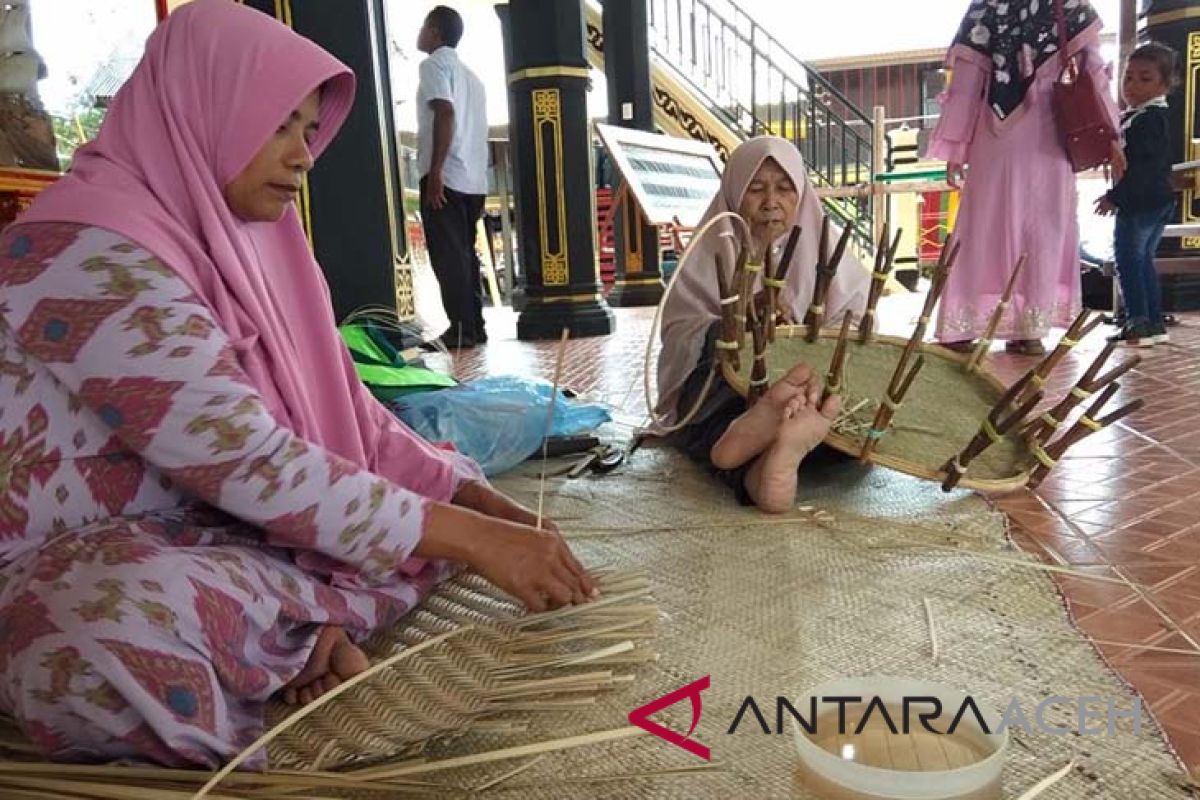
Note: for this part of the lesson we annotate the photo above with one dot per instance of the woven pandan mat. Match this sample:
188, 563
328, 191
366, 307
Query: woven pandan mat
765, 606
773, 606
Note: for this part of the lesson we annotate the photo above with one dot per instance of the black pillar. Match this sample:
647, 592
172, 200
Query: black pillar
638, 274
1176, 23
551, 144
351, 205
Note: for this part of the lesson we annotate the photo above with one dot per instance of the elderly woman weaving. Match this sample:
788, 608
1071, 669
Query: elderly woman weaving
201, 505
756, 451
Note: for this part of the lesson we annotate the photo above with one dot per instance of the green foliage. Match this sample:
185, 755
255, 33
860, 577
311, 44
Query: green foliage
73, 131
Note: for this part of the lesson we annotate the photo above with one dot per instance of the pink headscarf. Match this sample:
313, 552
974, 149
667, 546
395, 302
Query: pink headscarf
216, 81
694, 304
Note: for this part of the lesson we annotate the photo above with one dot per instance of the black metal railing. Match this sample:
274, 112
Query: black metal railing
757, 86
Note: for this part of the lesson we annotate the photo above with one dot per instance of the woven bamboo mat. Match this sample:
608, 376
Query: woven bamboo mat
766, 606
773, 607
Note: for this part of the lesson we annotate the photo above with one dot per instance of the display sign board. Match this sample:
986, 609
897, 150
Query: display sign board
671, 178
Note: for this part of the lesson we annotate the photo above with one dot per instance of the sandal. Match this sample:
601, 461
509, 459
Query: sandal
1026, 347
960, 347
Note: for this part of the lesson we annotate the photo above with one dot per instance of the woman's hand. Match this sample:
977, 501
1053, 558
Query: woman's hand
535, 566
956, 174
487, 501
1105, 207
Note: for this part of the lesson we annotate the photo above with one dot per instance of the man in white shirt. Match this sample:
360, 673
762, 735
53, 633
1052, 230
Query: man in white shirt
452, 158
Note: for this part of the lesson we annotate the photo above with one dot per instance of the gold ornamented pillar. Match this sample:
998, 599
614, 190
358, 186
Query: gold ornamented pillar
552, 165
1176, 23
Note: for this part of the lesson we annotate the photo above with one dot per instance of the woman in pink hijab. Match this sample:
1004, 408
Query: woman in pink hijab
201, 506
757, 452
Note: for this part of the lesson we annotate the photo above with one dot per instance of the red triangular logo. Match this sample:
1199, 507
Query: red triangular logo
641, 717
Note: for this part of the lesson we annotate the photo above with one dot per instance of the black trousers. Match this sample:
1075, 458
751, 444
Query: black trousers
450, 238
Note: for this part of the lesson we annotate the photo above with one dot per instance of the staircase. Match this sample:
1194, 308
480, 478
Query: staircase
714, 65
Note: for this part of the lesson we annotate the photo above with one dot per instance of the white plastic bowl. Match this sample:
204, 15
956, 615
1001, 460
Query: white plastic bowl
831, 776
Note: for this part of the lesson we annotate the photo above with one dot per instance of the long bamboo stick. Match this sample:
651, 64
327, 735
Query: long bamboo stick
946, 262
759, 379
888, 406
879, 278
558, 365
511, 752
304, 711
1045, 426
1083, 325
837, 365
827, 267
992, 430
728, 343
1048, 456
738, 284
985, 342
775, 280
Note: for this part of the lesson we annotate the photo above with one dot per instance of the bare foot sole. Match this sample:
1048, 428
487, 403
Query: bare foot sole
1026, 347
773, 478
334, 658
752, 432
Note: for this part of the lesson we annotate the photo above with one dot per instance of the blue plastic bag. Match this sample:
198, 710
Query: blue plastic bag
498, 421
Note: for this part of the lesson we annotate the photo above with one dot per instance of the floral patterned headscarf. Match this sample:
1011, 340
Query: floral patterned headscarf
1019, 36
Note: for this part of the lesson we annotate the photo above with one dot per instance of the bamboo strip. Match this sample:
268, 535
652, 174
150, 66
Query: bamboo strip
574, 611
1016, 562
662, 773
504, 754
934, 650
102, 791
558, 364
658, 424
512, 773
1047, 782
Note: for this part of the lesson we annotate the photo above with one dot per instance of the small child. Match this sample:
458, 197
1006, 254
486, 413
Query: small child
1143, 198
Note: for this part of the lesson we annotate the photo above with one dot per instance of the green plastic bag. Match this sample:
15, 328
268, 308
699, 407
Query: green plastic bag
383, 369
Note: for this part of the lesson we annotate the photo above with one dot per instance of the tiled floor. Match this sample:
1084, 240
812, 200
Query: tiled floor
1123, 503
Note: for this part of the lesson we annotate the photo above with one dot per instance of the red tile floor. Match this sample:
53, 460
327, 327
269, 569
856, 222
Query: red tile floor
1123, 503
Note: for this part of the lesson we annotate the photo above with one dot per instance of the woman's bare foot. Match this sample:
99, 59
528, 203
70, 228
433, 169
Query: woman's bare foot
753, 432
334, 659
1026, 347
772, 480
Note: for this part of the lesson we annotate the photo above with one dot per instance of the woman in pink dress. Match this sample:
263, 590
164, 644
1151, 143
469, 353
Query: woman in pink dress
1019, 196
200, 504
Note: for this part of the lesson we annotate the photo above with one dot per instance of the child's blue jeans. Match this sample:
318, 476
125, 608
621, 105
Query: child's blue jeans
1135, 242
